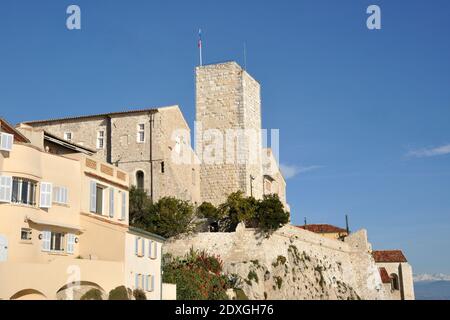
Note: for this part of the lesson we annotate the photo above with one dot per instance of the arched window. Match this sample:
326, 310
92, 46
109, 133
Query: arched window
395, 285
140, 180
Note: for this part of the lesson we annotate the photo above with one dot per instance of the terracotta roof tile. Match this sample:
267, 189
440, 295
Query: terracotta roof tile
384, 275
322, 228
389, 256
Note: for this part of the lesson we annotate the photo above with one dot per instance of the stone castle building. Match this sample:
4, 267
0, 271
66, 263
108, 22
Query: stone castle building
154, 145
140, 142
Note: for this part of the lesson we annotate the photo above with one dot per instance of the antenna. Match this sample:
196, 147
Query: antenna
245, 55
305, 222
346, 224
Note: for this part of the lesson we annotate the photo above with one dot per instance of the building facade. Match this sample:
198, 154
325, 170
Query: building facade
152, 145
64, 222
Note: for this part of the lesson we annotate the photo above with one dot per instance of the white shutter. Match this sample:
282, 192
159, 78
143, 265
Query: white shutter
46, 240
56, 195
5, 189
65, 196
93, 197
124, 206
150, 249
70, 243
6, 141
46, 195
150, 283
136, 281
154, 250
136, 246
111, 202
142, 253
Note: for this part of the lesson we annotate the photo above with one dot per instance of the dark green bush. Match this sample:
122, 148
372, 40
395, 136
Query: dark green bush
235, 210
119, 293
93, 294
270, 214
208, 211
138, 294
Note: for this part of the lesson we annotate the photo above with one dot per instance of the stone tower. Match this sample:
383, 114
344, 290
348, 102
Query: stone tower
228, 107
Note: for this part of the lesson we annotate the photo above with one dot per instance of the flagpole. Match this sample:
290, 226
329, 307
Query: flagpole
200, 46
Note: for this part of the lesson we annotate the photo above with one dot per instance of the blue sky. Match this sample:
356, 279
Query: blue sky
362, 114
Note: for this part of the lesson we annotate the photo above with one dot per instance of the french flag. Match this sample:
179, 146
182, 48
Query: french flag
199, 38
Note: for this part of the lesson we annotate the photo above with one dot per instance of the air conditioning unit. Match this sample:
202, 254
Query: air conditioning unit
6, 141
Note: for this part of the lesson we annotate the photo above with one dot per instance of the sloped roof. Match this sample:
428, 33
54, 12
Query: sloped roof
322, 228
8, 128
384, 275
389, 256
81, 117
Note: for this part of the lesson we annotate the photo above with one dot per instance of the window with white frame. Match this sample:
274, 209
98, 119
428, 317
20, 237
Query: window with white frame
70, 243
141, 133
68, 136
60, 195
101, 139
53, 241
6, 141
23, 191
96, 198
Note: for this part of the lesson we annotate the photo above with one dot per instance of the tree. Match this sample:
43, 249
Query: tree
140, 205
270, 214
170, 217
119, 293
235, 210
208, 211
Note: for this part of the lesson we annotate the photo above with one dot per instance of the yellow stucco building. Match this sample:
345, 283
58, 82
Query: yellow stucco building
64, 222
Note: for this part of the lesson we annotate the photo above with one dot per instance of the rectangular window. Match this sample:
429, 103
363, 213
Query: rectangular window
100, 139
25, 234
68, 136
141, 133
52, 241
163, 167
60, 195
5, 189
99, 203
57, 242
46, 195
6, 141
23, 191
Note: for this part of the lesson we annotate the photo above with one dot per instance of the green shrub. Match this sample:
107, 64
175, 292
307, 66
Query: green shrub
197, 276
119, 293
138, 294
270, 214
235, 210
93, 294
208, 211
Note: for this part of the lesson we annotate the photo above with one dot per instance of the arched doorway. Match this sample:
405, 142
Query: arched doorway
29, 294
75, 290
140, 180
